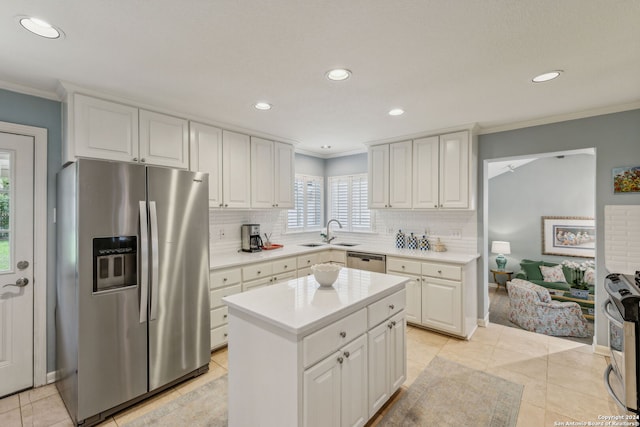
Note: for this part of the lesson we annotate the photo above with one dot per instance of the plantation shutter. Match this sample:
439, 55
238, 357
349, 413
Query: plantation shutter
348, 202
308, 204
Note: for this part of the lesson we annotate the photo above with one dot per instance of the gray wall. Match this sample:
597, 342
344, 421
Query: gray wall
616, 138
43, 113
353, 164
309, 165
546, 187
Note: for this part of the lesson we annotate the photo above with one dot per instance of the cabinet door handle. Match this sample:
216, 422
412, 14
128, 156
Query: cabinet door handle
135, 159
389, 325
259, 272
308, 261
276, 205
347, 354
143, 160
224, 279
439, 271
440, 205
221, 205
435, 206
226, 334
226, 205
391, 306
343, 334
403, 267
393, 323
286, 266
340, 359
224, 316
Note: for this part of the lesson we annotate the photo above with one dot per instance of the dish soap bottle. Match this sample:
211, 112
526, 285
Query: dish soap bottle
400, 239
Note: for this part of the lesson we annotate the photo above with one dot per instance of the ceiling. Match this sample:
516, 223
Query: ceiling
446, 63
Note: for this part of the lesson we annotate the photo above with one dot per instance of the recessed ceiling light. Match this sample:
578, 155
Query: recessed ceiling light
262, 106
545, 77
40, 27
326, 147
396, 112
339, 74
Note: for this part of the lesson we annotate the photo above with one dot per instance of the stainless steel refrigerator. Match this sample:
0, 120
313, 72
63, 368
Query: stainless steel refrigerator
132, 314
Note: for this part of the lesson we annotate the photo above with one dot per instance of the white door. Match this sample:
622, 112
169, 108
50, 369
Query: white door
16, 262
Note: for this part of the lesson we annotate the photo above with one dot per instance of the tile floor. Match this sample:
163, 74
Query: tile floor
562, 379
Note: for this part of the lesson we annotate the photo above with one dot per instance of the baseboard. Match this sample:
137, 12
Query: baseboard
602, 350
52, 377
484, 322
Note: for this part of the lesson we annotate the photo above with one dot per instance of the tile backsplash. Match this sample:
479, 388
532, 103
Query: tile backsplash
456, 229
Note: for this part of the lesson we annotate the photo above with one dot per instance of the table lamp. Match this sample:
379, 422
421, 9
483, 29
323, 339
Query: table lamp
500, 248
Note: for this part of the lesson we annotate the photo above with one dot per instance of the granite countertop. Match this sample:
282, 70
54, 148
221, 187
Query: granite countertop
233, 259
301, 305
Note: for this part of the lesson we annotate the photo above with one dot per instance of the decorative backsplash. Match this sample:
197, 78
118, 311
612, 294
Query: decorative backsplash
456, 229
622, 238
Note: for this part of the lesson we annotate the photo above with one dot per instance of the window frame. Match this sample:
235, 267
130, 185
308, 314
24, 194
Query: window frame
348, 225
305, 227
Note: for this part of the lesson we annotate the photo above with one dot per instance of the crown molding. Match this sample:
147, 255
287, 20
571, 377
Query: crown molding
484, 130
331, 155
13, 87
471, 127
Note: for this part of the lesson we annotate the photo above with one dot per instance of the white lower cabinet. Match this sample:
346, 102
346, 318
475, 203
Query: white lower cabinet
441, 296
335, 389
441, 305
387, 360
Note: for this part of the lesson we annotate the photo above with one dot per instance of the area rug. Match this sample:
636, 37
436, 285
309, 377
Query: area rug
449, 394
204, 406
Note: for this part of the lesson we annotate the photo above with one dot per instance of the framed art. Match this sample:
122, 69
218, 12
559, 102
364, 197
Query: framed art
626, 179
569, 236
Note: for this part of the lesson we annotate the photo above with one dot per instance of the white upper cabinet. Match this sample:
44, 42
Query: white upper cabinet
262, 171
379, 176
426, 172
390, 175
272, 174
454, 170
113, 131
164, 140
434, 172
102, 129
206, 156
236, 171
400, 178
285, 171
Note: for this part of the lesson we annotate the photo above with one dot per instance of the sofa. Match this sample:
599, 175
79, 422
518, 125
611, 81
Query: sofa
530, 271
531, 308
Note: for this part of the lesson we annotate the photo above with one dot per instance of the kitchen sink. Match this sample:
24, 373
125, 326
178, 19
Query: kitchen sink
312, 245
346, 244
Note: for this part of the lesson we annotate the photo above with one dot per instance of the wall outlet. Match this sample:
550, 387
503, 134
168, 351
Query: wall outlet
455, 233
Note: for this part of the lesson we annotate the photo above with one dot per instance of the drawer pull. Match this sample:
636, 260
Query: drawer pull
340, 359
389, 325
391, 306
347, 354
226, 334
393, 323
224, 280
308, 261
403, 267
259, 272
343, 334
224, 316
286, 266
439, 271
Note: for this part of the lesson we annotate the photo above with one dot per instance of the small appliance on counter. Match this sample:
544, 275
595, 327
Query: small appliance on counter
251, 240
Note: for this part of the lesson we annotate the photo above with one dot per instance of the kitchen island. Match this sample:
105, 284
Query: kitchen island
303, 355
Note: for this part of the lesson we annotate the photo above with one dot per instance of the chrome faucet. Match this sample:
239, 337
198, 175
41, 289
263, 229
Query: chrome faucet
327, 238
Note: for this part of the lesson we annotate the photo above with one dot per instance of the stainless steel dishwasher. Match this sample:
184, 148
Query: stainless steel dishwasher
369, 262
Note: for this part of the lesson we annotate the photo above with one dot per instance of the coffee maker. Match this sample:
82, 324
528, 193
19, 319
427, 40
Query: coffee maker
251, 241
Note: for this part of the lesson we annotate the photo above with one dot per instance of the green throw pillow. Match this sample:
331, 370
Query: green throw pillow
532, 269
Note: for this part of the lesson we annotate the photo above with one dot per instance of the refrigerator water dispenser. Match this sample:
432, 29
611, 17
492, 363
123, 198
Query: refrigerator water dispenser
114, 262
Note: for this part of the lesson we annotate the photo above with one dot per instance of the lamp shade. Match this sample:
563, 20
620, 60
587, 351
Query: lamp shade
498, 247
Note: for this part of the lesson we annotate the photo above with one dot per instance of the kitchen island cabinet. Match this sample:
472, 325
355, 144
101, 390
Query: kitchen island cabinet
298, 353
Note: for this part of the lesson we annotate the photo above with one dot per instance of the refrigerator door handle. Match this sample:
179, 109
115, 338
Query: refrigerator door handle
153, 219
144, 262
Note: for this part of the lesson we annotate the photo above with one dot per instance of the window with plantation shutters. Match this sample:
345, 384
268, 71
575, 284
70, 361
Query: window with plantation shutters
309, 204
348, 202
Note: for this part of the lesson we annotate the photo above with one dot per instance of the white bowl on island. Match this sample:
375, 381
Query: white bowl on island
326, 274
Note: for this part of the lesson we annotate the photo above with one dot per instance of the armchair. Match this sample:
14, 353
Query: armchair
532, 309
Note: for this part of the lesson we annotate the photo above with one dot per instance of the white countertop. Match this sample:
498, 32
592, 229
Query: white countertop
232, 259
301, 305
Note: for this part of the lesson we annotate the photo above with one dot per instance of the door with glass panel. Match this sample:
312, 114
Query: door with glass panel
16, 262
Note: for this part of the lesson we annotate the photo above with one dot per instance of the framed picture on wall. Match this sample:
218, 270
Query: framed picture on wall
626, 179
569, 236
